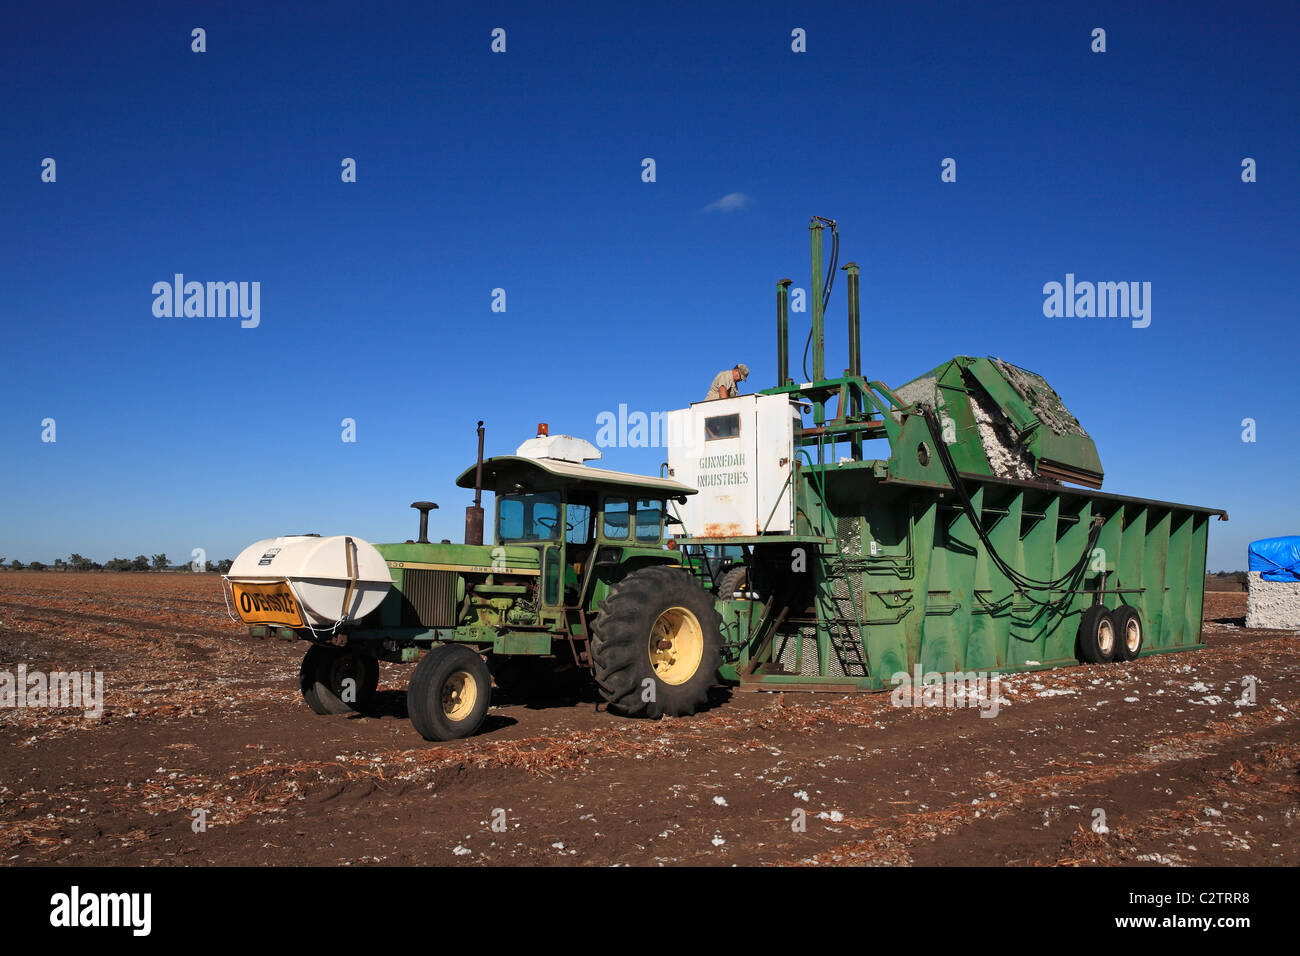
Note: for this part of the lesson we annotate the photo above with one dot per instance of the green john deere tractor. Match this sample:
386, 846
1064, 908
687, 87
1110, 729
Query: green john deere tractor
577, 590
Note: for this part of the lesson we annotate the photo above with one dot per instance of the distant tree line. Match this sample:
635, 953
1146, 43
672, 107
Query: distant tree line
76, 562
1226, 581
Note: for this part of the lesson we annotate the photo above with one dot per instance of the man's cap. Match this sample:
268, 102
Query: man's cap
744, 370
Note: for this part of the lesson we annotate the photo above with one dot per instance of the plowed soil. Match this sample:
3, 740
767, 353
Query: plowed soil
1176, 759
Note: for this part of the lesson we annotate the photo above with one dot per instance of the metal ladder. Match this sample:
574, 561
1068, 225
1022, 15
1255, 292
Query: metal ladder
849, 650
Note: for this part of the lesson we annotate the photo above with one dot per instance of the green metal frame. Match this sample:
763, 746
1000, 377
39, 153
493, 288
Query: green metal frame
901, 579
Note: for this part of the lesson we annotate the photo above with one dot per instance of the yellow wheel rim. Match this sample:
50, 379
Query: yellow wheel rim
676, 645
459, 693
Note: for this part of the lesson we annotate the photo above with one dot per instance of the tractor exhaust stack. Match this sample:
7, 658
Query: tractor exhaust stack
474, 513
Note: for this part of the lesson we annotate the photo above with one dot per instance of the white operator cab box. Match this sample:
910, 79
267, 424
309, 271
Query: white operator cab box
738, 452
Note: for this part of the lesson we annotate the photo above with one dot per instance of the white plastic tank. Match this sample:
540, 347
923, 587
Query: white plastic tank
339, 579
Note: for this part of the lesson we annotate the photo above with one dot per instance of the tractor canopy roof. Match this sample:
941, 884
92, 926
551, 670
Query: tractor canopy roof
506, 474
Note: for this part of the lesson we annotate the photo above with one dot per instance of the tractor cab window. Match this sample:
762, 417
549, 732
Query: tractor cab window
615, 524
649, 520
578, 527
527, 518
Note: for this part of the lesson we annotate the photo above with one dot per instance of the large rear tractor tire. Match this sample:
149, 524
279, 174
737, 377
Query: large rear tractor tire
449, 694
657, 644
324, 674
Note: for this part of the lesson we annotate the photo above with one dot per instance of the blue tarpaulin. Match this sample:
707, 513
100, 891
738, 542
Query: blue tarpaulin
1277, 558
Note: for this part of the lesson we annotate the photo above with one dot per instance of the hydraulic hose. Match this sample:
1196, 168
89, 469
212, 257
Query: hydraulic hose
1069, 581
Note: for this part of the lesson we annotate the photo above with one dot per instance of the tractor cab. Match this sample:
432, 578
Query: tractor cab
587, 523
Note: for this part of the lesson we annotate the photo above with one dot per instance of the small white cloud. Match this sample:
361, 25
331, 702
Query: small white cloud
731, 202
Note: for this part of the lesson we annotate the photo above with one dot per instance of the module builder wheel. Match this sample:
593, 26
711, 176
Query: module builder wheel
1096, 636
1129, 632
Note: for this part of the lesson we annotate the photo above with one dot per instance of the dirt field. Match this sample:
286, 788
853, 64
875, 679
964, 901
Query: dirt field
199, 716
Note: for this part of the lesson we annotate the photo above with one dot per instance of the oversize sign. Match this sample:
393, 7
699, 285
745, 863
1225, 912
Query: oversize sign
267, 604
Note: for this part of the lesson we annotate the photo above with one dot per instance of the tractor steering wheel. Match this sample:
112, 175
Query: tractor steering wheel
550, 523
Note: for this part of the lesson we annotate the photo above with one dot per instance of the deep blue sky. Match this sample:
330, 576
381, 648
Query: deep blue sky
523, 171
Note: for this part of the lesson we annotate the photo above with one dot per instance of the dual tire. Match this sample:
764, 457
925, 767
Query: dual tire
1105, 636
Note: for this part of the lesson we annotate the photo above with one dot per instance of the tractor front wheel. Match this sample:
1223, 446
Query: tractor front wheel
449, 694
657, 644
